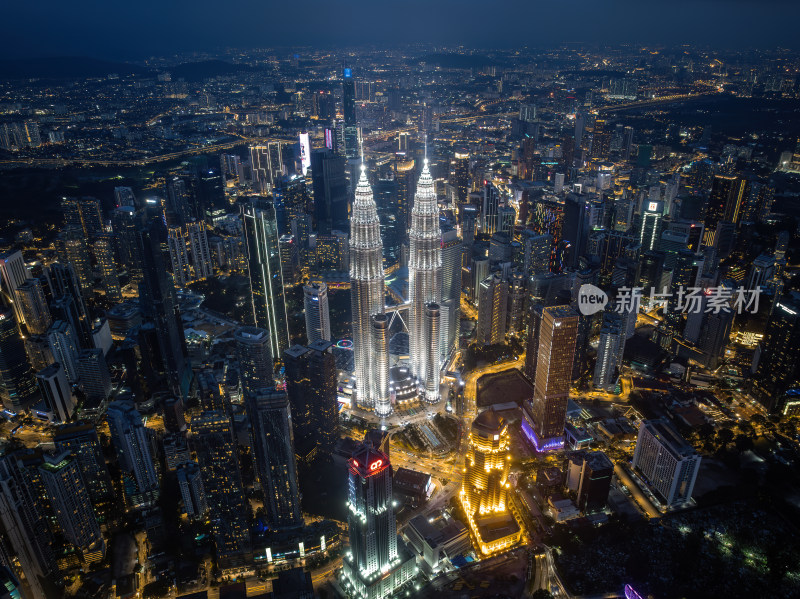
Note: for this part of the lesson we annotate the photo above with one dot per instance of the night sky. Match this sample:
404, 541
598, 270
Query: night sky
134, 29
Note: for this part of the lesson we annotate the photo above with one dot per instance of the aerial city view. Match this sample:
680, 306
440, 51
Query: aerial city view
428, 300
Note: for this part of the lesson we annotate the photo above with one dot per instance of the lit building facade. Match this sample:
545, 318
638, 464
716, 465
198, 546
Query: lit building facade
484, 491
667, 463
266, 276
544, 415
424, 282
318, 318
367, 287
378, 563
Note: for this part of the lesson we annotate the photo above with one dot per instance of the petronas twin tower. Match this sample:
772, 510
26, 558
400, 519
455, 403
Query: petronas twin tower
370, 323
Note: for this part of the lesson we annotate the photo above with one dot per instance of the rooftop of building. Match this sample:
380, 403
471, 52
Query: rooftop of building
406, 477
670, 438
489, 421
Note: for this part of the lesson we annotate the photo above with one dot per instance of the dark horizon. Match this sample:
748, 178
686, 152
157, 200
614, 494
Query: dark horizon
137, 31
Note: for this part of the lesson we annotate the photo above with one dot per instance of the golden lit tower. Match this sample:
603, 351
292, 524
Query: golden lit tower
485, 487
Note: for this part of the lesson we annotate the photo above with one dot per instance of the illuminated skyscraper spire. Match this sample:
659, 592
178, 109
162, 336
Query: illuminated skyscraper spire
366, 285
424, 283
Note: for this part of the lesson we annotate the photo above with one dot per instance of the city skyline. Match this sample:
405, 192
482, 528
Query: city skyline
404, 319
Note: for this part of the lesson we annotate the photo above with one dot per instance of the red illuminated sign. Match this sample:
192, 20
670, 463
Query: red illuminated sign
375, 465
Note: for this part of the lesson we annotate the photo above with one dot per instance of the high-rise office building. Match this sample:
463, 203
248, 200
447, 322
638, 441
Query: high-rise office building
318, 318
311, 382
13, 274
178, 256
266, 277
193, 493
290, 259
56, 392
33, 306
255, 358
601, 139
73, 249
489, 209
460, 176
380, 354
351, 137
492, 307
367, 287
650, 231
124, 196
424, 281
132, 443
159, 306
267, 166
178, 203
103, 249
517, 297
94, 375
25, 519
202, 264
71, 503
484, 491
537, 249
272, 440
379, 562
124, 223
84, 214
18, 389
64, 348
777, 371
213, 441
81, 440
544, 415
329, 183
393, 231
609, 351
667, 463
593, 473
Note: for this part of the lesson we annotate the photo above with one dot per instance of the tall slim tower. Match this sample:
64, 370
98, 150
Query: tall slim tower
380, 353
213, 441
424, 279
131, 441
273, 450
160, 306
266, 277
544, 416
367, 288
18, 389
318, 317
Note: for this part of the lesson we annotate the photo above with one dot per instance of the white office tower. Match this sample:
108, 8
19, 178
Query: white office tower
380, 353
666, 462
432, 353
318, 317
367, 288
379, 562
424, 279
